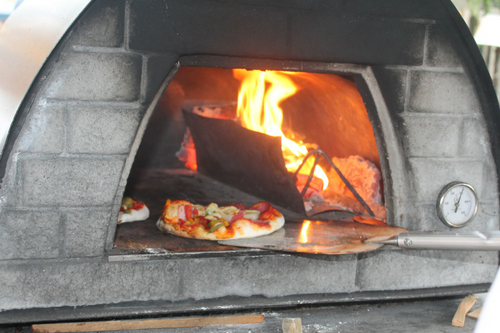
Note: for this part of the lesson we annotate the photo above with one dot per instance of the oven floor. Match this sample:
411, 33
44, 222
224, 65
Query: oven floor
154, 187
427, 316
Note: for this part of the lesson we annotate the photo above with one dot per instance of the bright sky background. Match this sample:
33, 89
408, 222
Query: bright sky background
7, 6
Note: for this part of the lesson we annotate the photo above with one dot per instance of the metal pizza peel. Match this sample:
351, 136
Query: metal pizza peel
341, 237
320, 237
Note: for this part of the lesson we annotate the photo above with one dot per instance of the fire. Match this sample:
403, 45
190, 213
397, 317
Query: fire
259, 109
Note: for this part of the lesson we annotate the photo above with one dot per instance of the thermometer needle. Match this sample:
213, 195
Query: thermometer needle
459, 198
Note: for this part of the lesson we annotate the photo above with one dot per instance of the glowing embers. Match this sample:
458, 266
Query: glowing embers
325, 111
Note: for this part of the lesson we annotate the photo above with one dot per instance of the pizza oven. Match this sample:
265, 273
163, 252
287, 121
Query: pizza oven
398, 84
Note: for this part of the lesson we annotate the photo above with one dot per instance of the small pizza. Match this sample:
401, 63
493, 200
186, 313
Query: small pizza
131, 211
212, 222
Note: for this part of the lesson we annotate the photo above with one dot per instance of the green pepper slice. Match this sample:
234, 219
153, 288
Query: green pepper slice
215, 227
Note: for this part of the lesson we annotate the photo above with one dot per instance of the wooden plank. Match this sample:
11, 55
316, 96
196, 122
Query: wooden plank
464, 307
474, 314
291, 325
117, 325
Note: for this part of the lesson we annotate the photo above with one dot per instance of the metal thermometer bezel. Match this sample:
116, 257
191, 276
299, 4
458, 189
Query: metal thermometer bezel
440, 204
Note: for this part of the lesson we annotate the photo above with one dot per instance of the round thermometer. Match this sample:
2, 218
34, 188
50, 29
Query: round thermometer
457, 204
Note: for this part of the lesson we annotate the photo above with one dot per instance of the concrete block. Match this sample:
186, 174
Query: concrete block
44, 129
432, 136
440, 52
427, 219
487, 217
442, 93
490, 181
39, 284
85, 232
474, 139
96, 77
408, 269
158, 67
380, 42
102, 130
393, 85
69, 181
271, 276
267, 31
431, 175
29, 234
101, 25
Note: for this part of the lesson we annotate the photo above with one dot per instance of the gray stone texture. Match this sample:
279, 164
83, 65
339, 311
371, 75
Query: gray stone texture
85, 232
271, 276
474, 139
29, 234
96, 77
393, 84
431, 175
440, 52
442, 93
102, 25
274, 32
432, 136
490, 178
426, 219
400, 269
44, 129
101, 130
158, 66
69, 181
86, 282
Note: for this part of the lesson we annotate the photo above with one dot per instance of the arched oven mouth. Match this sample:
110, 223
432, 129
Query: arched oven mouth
333, 111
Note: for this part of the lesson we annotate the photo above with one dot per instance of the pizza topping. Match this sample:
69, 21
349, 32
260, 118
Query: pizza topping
213, 222
252, 214
132, 210
240, 206
269, 214
261, 206
216, 226
236, 217
128, 205
259, 222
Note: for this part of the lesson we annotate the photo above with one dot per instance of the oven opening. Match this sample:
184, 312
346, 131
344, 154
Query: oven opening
299, 140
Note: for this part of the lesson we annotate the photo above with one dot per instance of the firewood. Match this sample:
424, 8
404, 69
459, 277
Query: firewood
474, 314
291, 325
142, 324
464, 307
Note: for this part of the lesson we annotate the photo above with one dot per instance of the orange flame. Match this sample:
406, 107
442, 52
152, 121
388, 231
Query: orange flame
258, 108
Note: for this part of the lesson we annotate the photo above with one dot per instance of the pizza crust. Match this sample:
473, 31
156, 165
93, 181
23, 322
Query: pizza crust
242, 229
135, 215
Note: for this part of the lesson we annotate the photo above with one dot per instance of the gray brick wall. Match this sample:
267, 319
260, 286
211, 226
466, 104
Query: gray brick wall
94, 76
29, 234
403, 269
84, 281
102, 130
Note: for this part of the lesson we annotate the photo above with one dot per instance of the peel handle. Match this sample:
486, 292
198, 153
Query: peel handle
472, 241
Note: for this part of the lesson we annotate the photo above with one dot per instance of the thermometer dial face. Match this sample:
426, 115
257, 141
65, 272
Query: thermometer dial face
457, 204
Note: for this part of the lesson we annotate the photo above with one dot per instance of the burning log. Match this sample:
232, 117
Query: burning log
248, 160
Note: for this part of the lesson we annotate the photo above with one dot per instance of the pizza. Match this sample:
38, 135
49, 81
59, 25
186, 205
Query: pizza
212, 222
131, 211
